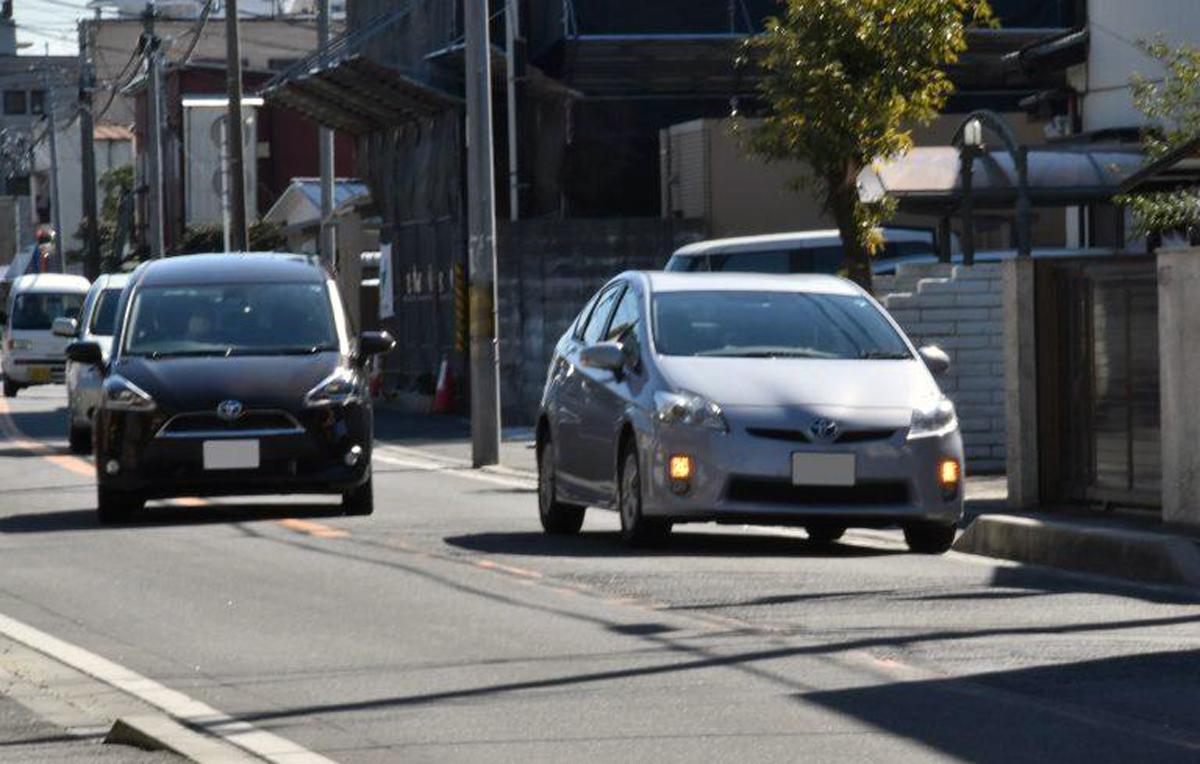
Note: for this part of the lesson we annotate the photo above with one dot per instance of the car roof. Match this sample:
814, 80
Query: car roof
51, 282
786, 240
819, 283
236, 268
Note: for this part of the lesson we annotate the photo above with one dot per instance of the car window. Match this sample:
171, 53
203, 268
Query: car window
627, 320
104, 313
753, 262
37, 310
819, 259
231, 319
773, 325
599, 318
688, 263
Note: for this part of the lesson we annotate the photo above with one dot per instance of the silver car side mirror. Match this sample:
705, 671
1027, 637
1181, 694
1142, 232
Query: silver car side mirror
935, 359
64, 327
603, 355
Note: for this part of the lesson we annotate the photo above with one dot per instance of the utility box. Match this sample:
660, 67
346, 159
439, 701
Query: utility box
707, 175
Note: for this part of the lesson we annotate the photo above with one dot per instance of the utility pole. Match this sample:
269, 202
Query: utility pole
327, 242
55, 210
513, 39
154, 168
239, 237
481, 243
91, 252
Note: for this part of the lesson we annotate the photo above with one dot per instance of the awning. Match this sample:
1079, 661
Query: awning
1178, 169
928, 180
358, 95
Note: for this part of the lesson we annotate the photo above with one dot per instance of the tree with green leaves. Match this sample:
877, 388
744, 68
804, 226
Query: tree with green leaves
1172, 105
844, 82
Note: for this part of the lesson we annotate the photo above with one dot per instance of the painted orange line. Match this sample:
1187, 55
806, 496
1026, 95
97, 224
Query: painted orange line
490, 565
313, 529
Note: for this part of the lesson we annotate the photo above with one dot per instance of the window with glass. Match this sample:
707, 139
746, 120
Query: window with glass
773, 325
594, 330
15, 102
36, 311
231, 319
104, 315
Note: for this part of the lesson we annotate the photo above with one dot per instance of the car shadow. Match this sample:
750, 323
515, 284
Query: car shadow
41, 425
681, 544
165, 516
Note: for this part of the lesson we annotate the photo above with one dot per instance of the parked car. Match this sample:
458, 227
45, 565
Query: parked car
796, 252
33, 355
887, 267
747, 399
232, 375
96, 322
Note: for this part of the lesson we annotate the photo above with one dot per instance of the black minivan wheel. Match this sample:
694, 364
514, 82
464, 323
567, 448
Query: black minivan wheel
114, 507
79, 439
558, 519
10, 388
360, 501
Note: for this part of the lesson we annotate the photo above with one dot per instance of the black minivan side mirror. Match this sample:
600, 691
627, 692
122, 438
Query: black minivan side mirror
374, 343
85, 352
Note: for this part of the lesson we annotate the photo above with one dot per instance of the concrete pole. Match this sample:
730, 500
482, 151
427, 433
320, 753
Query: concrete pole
512, 33
481, 244
55, 210
239, 236
327, 243
154, 171
91, 252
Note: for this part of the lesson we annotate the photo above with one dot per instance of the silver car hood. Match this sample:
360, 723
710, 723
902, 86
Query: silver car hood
802, 383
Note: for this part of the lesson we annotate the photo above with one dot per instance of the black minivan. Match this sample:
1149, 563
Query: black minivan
232, 375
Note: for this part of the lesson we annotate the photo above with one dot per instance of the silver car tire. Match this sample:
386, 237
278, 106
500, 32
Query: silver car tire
636, 528
558, 518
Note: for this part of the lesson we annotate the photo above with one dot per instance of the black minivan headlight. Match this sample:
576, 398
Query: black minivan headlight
340, 388
122, 395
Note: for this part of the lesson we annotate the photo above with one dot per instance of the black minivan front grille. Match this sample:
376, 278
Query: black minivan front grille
201, 423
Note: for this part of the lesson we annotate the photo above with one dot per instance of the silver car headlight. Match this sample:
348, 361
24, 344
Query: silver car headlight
122, 395
340, 388
933, 420
690, 409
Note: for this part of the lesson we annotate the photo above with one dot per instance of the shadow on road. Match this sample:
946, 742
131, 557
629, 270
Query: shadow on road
41, 425
155, 516
681, 544
1135, 708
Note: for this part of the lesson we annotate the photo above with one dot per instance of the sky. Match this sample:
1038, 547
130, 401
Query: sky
49, 21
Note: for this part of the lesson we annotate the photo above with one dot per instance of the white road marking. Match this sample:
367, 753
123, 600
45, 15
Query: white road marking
186, 710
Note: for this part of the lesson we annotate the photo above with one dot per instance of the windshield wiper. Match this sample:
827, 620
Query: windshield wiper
308, 350
765, 354
884, 355
155, 355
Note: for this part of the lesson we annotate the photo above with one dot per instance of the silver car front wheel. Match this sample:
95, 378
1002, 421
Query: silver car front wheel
636, 528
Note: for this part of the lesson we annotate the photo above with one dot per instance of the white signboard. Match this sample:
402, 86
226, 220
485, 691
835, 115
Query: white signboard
387, 307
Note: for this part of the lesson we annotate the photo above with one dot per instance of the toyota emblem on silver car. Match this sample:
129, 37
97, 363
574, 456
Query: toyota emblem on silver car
229, 410
824, 430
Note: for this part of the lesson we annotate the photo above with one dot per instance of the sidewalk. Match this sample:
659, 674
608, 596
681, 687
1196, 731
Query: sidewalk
1135, 547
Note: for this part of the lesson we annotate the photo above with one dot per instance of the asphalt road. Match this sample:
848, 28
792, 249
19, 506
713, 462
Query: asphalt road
447, 628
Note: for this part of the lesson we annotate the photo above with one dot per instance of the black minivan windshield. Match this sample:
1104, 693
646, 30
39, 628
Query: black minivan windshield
744, 324
231, 319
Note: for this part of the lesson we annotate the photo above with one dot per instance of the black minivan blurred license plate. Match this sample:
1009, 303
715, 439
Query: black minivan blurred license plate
231, 455
823, 469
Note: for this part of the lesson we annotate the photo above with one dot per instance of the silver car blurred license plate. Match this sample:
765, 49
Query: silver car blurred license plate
823, 469
231, 455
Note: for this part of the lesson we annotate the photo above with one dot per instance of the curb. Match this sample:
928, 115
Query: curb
162, 733
1152, 558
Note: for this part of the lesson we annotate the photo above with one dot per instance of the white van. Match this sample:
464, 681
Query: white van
32, 354
796, 252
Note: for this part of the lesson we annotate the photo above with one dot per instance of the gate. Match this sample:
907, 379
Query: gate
1098, 392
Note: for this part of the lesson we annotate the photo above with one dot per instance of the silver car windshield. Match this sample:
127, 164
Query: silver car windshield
773, 325
231, 319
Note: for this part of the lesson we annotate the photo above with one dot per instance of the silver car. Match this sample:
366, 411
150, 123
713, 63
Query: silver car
747, 399
95, 324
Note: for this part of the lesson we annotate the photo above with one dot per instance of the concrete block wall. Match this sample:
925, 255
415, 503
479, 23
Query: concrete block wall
960, 310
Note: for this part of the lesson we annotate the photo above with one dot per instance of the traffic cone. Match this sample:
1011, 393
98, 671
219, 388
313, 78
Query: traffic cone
443, 396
